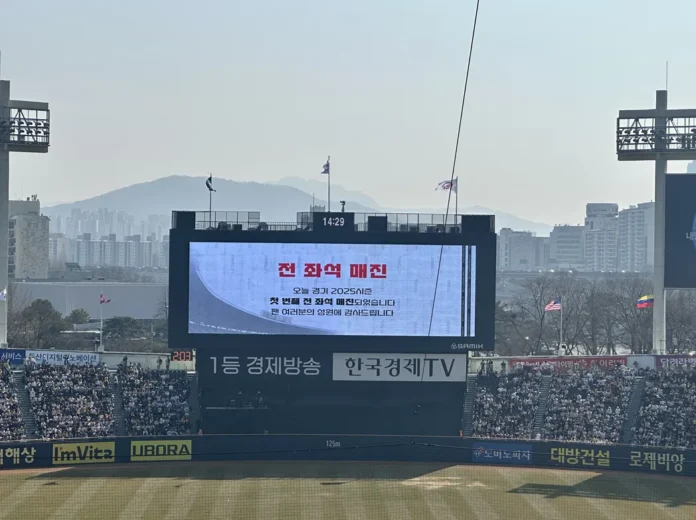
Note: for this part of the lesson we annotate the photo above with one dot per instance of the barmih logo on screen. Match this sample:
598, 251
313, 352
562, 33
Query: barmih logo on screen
83, 453
145, 451
427, 368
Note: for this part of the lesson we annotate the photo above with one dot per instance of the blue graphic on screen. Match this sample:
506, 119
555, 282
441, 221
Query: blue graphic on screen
692, 237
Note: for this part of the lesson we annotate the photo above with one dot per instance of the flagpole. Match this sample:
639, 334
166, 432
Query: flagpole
561, 333
210, 202
456, 205
101, 323
328, 161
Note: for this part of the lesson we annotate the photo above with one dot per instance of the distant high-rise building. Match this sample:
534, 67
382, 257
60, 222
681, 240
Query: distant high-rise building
516, 250
28, 240
567, 247
636, 241
601, 237
28, 249
60, 250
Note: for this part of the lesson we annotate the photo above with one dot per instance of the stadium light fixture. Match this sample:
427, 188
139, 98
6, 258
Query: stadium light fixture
657, 134
24, 127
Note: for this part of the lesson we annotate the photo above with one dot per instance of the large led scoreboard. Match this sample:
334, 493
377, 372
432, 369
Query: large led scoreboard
354, 289
333, 327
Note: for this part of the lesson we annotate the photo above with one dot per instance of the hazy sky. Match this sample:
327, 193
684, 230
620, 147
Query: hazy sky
258, 90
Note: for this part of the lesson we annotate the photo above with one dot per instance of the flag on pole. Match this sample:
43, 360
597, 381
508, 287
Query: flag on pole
448, 185
103, 300
645, 302
209, 183
553, 305
3, 295
327, 168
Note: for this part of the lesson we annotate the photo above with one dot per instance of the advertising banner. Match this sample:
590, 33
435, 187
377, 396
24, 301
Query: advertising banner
623, 458
680, 232
57, 357
663, 461
562, 363
502, 453
73, 453
331, 289
12, 356
669, 361
13, 456
160, 450
582, 456
16, 455
263, 366
427, 368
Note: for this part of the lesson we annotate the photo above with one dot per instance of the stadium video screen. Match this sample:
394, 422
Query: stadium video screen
680, 232
331, 289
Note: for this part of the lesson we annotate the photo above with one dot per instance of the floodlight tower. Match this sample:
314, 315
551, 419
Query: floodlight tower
24, 127
659, 135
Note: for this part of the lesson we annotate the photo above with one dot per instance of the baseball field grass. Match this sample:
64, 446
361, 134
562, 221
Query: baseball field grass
339, 491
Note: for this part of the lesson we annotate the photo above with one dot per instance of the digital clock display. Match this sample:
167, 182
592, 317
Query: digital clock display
334, 221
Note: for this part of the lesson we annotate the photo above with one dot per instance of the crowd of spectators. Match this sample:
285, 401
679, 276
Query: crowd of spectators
506, 403
155, 401
667, 416
588, 405
70, 400
11, 424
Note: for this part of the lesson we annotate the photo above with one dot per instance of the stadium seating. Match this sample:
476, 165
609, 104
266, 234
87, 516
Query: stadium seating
11, 424
588, 405
70, 400
506, 403
667, 416
155, 402
583, 405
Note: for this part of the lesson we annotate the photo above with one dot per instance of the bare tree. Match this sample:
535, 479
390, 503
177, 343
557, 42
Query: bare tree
634, 326
18, 300
529, 308
681, 321
572, 292
600, 329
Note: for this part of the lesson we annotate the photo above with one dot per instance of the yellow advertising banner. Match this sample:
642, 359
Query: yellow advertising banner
83, 453
162, 450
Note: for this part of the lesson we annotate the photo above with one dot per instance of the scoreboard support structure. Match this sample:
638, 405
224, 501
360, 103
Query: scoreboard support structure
658, 134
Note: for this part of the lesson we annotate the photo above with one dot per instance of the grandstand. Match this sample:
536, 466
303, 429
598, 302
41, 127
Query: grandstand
613, 404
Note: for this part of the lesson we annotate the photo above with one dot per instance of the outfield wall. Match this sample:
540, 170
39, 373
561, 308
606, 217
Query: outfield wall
452, 450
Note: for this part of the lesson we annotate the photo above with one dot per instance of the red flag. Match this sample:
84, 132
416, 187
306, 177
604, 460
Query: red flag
102, 299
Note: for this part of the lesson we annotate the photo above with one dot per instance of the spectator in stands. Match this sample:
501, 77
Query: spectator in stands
155, 402
506, 404
667, 416
11, 424
588, 405
70, 400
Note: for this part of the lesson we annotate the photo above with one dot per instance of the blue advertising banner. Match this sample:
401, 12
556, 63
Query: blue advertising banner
453, 450
13, 356
502, 453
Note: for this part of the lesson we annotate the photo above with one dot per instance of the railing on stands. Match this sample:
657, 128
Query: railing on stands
400, 222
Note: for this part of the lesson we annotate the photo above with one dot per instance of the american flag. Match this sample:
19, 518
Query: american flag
102, 299
553, 305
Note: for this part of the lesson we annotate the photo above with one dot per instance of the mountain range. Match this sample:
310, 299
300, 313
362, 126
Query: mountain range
278, 201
